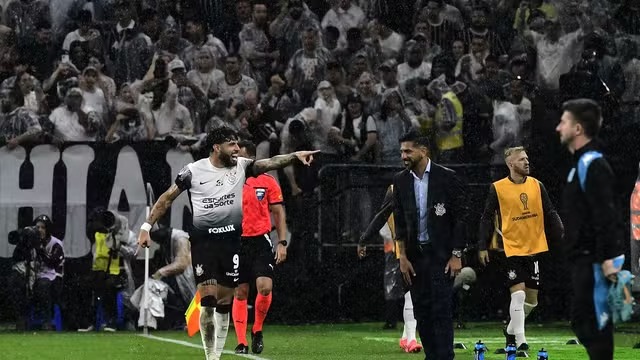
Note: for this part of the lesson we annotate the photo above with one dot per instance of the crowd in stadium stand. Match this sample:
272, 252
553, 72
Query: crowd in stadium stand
344, 76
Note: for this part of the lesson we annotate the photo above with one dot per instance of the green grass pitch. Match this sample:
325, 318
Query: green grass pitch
348, 342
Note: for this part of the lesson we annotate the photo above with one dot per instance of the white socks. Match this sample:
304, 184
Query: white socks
410, 322
516, 310
221, 330
207, 330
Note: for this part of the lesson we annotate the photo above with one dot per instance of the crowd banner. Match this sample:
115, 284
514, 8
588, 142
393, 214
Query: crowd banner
69, 182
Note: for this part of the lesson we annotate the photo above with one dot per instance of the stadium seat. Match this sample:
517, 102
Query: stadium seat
56, 321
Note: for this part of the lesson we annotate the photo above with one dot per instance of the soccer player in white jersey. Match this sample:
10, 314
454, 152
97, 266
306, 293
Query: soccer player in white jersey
215, 191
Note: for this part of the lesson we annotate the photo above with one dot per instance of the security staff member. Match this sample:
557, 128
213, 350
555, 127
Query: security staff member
593, 228
429, 214
523, 210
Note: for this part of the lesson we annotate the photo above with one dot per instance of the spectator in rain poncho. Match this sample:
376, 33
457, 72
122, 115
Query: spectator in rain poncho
176, 255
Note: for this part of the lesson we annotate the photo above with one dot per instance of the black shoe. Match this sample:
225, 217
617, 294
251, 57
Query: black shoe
523, 347
522, 354
242, 349
256, 342
508, 338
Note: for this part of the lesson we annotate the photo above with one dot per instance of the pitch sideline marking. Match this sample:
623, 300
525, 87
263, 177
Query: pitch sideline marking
188, 344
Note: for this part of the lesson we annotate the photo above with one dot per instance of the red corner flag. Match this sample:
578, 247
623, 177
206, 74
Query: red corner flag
193, 315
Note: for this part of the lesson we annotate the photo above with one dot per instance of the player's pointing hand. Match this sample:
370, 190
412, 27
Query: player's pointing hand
306, 157
144, 240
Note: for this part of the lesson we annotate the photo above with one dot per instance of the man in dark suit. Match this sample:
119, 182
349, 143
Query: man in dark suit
429, 213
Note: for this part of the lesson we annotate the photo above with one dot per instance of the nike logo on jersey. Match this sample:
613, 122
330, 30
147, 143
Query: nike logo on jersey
218, 183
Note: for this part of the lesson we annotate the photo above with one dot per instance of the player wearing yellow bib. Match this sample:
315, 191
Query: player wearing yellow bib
523, 210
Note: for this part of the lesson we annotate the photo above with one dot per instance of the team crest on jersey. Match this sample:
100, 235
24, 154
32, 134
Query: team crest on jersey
512, 274
260, 193
232, 178
440, 209
199, 270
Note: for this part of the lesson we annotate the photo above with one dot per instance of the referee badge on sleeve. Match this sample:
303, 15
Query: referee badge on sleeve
260, 193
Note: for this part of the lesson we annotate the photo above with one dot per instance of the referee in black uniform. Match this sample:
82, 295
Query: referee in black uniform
593, 229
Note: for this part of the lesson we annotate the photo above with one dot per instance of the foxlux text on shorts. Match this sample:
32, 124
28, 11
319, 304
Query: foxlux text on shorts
222, 229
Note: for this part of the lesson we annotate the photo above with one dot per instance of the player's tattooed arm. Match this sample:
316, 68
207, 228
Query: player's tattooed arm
163, 204
182, 183
282, 161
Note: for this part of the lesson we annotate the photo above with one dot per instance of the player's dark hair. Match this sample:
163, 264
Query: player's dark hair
249, 146
416, 138
587, 113
219, 136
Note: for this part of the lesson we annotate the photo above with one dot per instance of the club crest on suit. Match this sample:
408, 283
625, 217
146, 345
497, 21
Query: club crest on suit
440, 209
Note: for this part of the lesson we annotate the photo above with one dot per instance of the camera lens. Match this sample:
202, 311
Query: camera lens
14, 237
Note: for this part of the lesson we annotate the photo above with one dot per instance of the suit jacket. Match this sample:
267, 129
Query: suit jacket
446, 207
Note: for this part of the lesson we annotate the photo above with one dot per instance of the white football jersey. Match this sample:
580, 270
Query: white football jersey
215, 194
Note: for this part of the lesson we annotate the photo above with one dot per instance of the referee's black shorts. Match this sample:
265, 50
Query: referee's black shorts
216, 257
256, 258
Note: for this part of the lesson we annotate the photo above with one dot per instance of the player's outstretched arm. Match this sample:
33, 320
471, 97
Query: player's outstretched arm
159, 209
282, 161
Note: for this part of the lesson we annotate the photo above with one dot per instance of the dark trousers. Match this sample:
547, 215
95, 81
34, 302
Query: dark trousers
42, 296
19, 302
46, 293
105, 288
599, 343
432, 295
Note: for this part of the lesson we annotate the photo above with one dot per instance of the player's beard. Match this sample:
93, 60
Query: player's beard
566, 140
228, 160
409, 164
522, 171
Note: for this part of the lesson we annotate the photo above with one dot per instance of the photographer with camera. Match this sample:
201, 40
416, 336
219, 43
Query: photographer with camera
113, 246
37, 272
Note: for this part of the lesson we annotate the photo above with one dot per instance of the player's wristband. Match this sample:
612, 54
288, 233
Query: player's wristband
146, 227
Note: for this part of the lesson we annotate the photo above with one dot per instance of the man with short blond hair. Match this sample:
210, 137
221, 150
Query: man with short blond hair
519, 211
